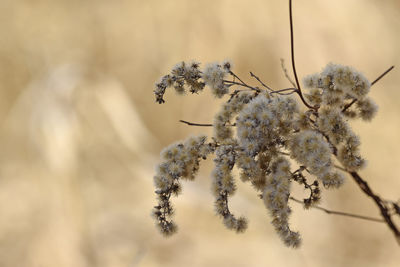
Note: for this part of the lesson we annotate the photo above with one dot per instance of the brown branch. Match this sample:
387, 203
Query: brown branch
281, 91
382, 205
242, 84
382, 75
261, 82
203, 124
346, 107
339, 168
293, 63
340, 212
196, 124
237, 77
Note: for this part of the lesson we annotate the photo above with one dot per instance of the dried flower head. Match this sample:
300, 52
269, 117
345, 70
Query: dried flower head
261, 131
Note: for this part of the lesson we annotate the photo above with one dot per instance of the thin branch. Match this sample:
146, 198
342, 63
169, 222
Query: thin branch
237, 77
346, 107
362, 217
196, 124
382, 204
286, 72
340, 168
382, 75
258, 79
292, 55
384, 209
281, 91
292, 44
203, 124
242, 84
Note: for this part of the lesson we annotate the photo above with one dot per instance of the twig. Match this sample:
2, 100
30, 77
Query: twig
379, 202
340, 212
196, 124
280, 92
346, 107
237, 77
258, 79
286, 72
382, 75
203, 124
292, 55
242, 84
382, 204
340, 168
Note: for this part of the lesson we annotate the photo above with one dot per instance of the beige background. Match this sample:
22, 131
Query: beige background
80, 131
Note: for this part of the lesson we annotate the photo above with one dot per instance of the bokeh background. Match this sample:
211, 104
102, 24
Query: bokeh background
81, 133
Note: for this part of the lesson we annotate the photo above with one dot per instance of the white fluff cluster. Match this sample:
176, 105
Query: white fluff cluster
331, 122
335, 90
264, 122
311, 150
254, 170
184, 76
338, 77
349, 154
181, 160
367, 108
340, 82
222, 120
224, 185
225, 157
336, 84
257, 131
213, 76
187, 77
276, 197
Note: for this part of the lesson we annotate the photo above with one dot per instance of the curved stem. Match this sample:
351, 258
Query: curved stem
292, 55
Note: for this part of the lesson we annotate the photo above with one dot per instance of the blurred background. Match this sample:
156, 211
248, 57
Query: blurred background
81, 133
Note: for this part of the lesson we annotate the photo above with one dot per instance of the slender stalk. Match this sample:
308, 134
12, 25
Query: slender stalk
291, 91
362, 217
196, 124
382, 75
261, 82
292, 56
286, 72
230, 83
385, 212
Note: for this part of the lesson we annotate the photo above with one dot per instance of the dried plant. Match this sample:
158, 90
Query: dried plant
263, 131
